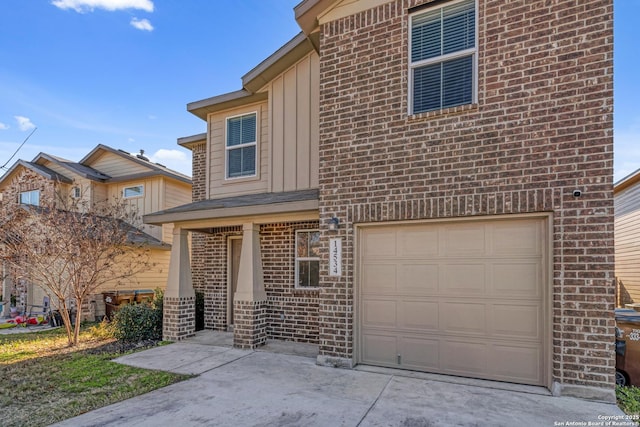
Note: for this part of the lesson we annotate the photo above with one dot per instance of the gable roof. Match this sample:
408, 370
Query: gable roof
154, 168
39, 169
254, 80
627, 181
77, 168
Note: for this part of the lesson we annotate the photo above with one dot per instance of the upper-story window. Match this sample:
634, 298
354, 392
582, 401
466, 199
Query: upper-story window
133, 191
30, 197
443, 57
241, 143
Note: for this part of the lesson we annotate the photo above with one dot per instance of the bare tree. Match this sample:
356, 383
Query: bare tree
71, 249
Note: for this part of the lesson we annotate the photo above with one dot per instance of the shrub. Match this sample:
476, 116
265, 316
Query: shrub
102, 330
139, 322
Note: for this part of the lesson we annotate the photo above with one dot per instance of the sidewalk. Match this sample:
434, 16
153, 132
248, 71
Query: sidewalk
266, 388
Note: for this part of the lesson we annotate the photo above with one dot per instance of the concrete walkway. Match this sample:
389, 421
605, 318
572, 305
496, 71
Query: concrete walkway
272, 388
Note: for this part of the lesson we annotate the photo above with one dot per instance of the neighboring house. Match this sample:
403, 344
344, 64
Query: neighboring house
627, 237
423, 185
103, 175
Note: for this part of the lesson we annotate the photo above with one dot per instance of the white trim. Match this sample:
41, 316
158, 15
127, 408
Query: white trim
227, 148
30, 193
124, 191
473, 52
307, 258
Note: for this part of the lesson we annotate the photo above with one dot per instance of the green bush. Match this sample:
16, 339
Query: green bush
628, 399
139, 322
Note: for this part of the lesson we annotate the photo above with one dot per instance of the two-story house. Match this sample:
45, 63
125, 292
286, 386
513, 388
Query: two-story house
415, 184
103, 175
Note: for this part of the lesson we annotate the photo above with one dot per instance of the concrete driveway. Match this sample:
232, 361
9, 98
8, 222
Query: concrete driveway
263, 388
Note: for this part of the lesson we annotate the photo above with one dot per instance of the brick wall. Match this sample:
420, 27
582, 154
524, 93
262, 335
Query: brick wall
291, 314
198, 171
541, 128
27, 180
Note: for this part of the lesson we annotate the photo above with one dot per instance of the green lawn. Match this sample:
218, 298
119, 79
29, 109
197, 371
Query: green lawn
42, 381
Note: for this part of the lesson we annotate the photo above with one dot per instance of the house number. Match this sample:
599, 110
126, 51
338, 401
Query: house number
335, 257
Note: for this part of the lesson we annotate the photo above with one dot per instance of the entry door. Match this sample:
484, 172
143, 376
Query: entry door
235, 247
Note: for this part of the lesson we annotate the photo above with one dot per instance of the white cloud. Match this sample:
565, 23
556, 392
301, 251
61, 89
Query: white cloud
82, 6
131, 140
151, 117
24, 123
173, 159
3, 126
141, 24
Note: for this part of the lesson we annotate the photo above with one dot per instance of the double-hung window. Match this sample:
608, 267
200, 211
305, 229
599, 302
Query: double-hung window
307, 258
241, 144
443, 57
30, 197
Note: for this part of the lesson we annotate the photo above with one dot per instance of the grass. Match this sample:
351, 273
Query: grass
45, 381
629, 399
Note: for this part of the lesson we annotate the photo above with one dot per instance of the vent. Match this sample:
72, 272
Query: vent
141, 156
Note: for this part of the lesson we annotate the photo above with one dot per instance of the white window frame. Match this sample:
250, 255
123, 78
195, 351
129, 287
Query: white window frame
443, 58
249, 144
129, 187
307, 258
30, 194
75, 192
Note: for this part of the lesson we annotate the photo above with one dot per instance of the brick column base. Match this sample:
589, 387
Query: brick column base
250, 324
179, 318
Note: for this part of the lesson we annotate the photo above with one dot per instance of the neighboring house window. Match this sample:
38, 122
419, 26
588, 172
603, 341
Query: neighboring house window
30, 197
307, 258
75, 193
443, 57
241, 145
134, 191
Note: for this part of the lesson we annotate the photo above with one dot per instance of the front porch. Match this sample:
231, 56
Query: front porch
246, 267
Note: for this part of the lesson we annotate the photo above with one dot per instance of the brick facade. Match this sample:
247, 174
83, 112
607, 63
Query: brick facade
179, 318
290, 313
541, 128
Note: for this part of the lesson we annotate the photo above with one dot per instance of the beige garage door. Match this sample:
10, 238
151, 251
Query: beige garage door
460, 298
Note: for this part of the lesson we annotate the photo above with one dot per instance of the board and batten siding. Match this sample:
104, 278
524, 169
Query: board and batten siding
219, 185
627, 239
176, 194
151, 201
294, 111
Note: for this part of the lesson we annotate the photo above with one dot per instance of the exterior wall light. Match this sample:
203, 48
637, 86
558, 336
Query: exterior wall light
334, 223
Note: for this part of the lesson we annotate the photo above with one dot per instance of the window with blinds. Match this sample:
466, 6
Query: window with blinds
443, 57
241, 145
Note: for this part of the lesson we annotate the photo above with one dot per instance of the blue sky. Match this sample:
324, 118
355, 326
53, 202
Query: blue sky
120, 72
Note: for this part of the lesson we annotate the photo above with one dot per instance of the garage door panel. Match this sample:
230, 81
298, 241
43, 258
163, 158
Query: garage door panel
459, 298
379, 349
516, 278
380, 278
463, 240
464, 357
418, 242
417, 279
420, 353
420, 315
516, 362
516, 320
521, 238
379, 243
468, 318
380, 313
463, 279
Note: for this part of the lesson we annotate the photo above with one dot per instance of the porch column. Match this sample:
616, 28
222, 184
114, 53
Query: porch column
179, 297
250, 299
